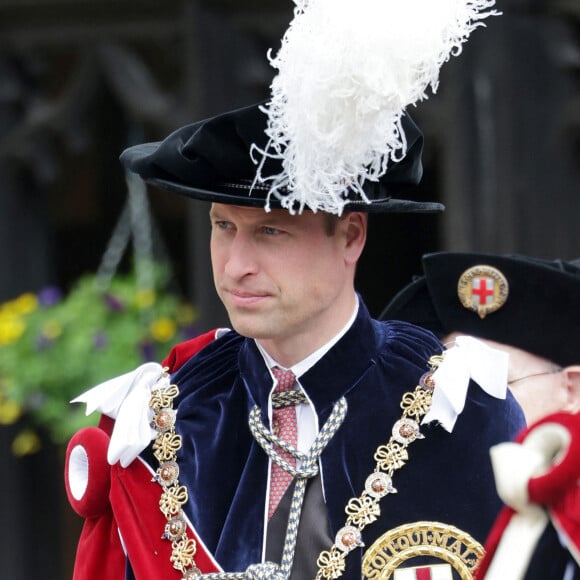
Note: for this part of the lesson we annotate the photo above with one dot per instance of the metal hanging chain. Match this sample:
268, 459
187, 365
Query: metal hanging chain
115, 250
135, 224
141, 231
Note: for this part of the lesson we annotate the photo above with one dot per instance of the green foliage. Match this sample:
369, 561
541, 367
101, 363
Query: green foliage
52, 349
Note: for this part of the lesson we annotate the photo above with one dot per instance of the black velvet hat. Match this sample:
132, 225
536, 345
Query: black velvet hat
525, 302
212, 160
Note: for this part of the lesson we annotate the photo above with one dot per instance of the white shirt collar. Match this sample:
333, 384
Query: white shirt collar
305, 364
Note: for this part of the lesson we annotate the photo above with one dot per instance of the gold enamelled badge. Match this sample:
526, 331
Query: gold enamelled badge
395, 554
483, 289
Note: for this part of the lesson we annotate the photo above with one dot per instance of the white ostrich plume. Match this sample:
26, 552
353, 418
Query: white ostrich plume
347, 69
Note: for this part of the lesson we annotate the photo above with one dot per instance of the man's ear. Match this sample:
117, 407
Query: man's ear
356, 234
572, 376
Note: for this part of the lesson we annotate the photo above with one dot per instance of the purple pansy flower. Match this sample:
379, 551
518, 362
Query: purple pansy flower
49, 296
147, 351
100, 340
113, 303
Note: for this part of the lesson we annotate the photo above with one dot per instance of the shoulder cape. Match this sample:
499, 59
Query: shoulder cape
122, 516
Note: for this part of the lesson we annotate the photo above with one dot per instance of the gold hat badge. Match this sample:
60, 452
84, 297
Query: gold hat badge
483, 289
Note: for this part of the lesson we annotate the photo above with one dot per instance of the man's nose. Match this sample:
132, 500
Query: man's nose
241, 259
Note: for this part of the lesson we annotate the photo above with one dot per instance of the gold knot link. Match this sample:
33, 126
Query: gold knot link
391, 456
330, 564
161, 398
166, 446
183, 554
172, 499
417, 403
436, 360
363, 510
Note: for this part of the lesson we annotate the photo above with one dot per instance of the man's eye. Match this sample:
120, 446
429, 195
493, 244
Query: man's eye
270, 231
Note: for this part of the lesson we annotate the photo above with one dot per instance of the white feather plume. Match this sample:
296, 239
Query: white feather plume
347, 69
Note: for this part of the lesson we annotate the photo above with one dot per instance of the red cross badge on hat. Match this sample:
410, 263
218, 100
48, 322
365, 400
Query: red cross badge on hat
437, 572
483, 289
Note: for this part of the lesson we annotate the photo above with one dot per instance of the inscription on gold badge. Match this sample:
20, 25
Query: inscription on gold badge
434, 539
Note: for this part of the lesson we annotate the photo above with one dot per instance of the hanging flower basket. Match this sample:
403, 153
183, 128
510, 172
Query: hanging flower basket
53, 347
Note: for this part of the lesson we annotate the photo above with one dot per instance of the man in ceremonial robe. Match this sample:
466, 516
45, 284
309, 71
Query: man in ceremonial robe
287, 282
310, 440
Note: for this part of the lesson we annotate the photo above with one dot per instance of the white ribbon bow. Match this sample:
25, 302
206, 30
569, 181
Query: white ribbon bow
126, 399
469, 358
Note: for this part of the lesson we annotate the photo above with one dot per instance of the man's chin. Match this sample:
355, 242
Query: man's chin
251, 328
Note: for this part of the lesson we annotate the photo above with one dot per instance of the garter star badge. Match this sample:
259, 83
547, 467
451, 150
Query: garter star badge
483, 289
395, 555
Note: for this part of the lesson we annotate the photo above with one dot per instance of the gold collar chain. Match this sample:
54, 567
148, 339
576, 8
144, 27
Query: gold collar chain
361, 511
365, 509
174, 496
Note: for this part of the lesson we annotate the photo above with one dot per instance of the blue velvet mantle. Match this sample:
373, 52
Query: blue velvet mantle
448, 477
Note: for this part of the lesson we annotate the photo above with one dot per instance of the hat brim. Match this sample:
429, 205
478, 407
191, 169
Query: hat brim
244, 195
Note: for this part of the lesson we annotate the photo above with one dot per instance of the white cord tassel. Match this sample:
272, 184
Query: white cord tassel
346, 71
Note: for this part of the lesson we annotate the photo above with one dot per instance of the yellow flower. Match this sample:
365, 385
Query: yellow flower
144, 298
25, 303
51, 329
185, 314
162, 329
10, 411
12, 327
26, 442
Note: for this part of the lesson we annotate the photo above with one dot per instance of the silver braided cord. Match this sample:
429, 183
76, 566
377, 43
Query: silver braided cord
288, 398
268, 442
266, 439
265, 571
309, 465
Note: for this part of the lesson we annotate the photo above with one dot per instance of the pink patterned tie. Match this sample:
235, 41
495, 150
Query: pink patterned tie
286, 428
